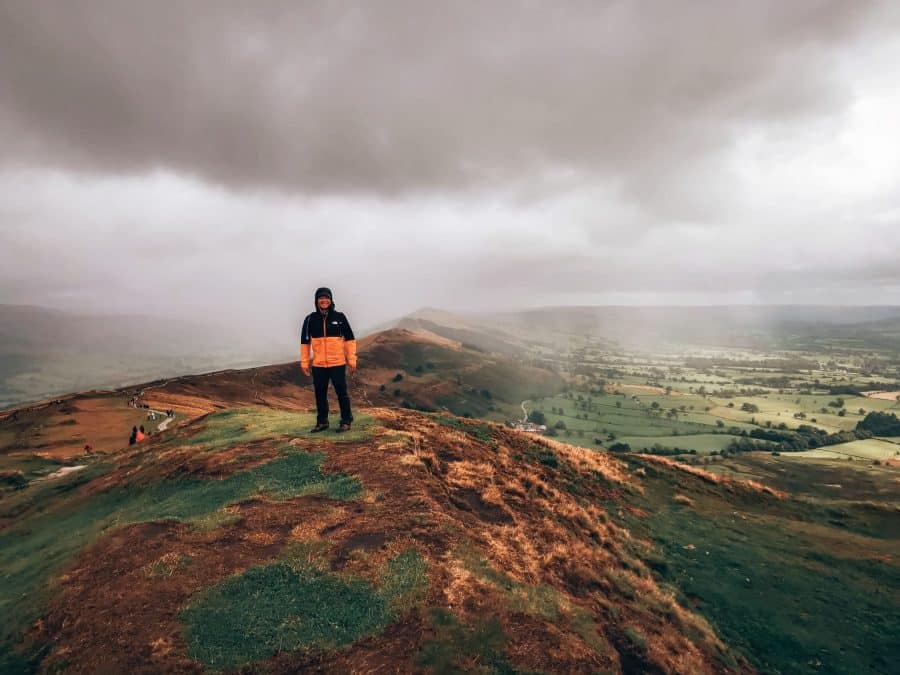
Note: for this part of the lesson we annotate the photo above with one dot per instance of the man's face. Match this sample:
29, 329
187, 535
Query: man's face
324, 302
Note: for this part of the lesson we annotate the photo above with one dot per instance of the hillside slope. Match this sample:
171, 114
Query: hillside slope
416, 542
422, 370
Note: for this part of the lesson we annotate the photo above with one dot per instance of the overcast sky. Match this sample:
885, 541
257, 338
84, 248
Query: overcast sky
229, 157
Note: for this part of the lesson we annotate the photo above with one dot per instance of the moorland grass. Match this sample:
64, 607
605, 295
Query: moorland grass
31, 466
456, 646
404, 581
790, 604
275, 608
535, 600
244, 425
288, 606
477, 430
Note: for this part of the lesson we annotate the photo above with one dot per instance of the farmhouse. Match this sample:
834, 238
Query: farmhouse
530, 427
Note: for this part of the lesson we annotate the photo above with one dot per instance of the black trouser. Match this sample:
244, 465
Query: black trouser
338, 377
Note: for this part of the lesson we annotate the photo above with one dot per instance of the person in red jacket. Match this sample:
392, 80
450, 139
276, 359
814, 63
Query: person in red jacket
327, 334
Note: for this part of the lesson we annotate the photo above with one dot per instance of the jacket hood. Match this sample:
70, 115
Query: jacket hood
319, 293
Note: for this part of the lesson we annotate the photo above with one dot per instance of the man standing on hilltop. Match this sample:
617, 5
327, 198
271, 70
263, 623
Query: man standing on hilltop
327, 332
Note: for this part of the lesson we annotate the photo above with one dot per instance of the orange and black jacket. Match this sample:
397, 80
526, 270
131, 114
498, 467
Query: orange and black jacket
330, 338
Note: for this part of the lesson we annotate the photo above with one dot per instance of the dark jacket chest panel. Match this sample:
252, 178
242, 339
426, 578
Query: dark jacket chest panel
331, 326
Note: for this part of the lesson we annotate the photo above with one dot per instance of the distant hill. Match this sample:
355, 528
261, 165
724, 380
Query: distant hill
781, 326
46, 352
442, 373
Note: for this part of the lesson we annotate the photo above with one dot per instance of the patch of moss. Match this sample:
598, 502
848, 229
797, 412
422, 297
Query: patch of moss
460, 648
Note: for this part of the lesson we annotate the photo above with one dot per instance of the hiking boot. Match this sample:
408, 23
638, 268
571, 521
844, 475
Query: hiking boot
321, 426
345, 426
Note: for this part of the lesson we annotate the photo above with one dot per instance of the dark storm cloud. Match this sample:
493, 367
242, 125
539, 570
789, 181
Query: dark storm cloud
385, 97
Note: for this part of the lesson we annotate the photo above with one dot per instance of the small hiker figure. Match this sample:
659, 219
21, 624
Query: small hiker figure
328, 334
88, 447
141, 434
134, 433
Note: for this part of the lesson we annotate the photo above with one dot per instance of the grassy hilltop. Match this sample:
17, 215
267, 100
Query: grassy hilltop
429, 542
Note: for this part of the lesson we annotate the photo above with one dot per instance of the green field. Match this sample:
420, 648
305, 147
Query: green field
702, 443
871, 449
699, 401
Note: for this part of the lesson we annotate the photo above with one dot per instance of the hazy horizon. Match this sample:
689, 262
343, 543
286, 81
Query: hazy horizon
372, 327
226, 159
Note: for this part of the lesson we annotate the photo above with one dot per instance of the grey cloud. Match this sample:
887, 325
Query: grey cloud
387, 98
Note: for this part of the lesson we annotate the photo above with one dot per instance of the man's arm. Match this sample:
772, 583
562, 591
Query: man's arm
349, 343
304, 346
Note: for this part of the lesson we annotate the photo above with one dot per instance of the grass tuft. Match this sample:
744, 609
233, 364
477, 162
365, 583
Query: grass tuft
477, 430
459, 648
404, 581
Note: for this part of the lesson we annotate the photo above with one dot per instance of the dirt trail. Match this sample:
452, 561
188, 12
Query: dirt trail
65, 471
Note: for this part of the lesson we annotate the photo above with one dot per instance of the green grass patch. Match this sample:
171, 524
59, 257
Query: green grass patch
625, 416
297, 604
457, 646
584, 625
542, 455
275, 608
702, 443
464, 405
569, 479
477, 430
209, 522
870, 449
636, 640
404, 581
244, 425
